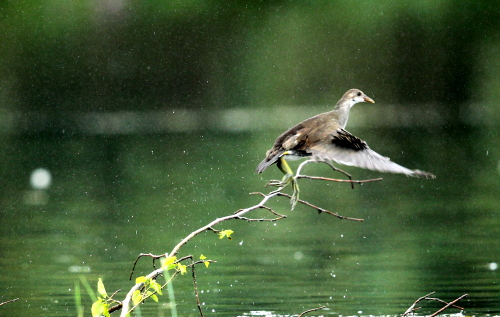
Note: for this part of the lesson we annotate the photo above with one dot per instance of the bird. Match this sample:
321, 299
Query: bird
324, 138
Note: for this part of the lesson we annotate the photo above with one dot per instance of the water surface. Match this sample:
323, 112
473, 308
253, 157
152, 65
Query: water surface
113, 197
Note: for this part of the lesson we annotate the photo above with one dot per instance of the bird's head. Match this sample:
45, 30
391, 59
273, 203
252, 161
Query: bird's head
353, 96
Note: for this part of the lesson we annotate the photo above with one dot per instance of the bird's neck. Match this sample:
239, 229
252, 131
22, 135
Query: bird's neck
342, 111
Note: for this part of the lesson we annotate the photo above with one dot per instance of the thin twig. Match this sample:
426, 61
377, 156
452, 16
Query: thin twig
259, 219
155, 257
9, 301
444, 302
198, 303
311, 310
274, 212
280, 216
214, 230
187, 257
426, 297
320, 210
299, 175
336, 169
116, 292
412, 307
448, 305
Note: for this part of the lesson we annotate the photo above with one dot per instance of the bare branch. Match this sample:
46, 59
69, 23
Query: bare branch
311, 310
335, 169
442, 301
115, 308
260, 219
449, 304
280, 216
299, 175
198, 303
320, 210
412, 308
9, 301
155, 257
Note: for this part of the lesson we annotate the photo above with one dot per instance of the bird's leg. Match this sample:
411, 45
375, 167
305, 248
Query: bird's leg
285, 168
288, 178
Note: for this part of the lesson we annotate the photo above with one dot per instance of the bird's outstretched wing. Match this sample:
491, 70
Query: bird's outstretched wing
345, 148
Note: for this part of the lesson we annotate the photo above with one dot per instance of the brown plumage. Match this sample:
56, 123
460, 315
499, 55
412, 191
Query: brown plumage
323, 138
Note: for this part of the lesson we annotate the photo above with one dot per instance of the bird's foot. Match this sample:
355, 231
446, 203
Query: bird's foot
287, 179
276, 183
295, 194
282, 183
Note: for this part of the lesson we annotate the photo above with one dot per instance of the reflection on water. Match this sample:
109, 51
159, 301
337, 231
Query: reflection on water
104, 200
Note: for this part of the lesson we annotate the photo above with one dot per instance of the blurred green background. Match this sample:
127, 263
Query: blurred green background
151, 116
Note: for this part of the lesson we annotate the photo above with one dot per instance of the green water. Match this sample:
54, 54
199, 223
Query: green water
113, 197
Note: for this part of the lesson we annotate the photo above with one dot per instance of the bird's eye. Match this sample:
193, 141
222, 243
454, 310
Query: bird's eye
359, 93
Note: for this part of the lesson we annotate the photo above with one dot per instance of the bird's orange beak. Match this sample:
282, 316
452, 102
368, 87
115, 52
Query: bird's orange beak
368, 99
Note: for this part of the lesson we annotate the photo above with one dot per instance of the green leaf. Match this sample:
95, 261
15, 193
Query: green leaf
156, 287
225, 233
202, 257
100, 288
97, 308
168, 263
141, 279
182, 268
100, 308
137, 297
154, 297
